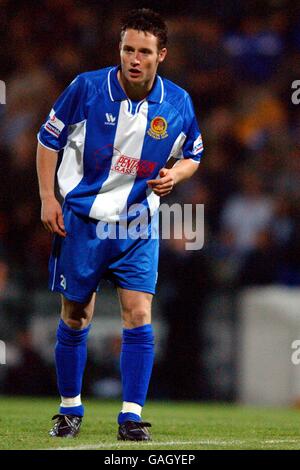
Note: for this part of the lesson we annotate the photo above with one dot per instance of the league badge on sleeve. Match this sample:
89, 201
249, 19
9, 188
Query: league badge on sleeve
54, 125
198, 145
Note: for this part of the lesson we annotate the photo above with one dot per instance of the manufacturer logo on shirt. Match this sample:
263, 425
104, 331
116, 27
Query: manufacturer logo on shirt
134, 166
54, 125
110, 119
158, 128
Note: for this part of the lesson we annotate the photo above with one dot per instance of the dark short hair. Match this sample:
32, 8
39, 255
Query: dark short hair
144, 19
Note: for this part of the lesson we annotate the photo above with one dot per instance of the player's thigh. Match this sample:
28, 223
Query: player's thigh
76, 314
135, 307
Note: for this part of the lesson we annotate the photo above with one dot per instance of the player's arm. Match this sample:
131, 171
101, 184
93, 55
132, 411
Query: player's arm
52, 137
191, 149
51, 212
169, 177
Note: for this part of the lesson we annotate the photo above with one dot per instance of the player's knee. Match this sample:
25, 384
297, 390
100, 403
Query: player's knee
76, 319
137, 316
77, 315
77, 323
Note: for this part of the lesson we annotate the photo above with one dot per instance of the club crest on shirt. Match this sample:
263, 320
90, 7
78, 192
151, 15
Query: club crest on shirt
158, 128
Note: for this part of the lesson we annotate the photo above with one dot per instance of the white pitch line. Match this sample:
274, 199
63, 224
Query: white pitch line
116, 446
281, 441
145, 444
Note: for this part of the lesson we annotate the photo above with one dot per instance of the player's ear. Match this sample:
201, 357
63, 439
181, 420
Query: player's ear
162, 54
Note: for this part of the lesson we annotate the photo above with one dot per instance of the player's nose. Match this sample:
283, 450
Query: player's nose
136, 59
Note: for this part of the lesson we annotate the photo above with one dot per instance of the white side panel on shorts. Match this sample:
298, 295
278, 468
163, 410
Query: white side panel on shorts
54, 274
70, 171
129, 140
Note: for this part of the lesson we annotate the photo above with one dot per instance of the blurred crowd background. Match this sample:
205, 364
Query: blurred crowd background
238, 60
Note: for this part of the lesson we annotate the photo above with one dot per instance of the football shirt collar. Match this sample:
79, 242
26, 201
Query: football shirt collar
117, 93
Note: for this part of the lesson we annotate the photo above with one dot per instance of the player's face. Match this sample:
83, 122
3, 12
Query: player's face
140, 57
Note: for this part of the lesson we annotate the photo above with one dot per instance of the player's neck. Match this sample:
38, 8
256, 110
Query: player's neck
135, 92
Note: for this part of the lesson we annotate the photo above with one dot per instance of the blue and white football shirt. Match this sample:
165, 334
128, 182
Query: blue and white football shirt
112, 145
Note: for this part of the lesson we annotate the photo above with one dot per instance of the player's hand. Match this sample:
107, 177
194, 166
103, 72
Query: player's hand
163, 185
51, 216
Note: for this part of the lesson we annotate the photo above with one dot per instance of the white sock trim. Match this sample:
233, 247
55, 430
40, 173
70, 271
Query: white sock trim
129, 407
68, 402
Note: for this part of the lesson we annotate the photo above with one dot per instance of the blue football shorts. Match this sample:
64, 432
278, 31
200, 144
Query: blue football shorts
81, 260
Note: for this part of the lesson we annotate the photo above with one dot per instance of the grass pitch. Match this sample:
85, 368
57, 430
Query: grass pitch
24, 424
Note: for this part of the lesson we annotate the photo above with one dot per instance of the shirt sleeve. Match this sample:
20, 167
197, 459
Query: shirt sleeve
67, 110
193, 145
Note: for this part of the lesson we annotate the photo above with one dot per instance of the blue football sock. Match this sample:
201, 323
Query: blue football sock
70, 356
136, 362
